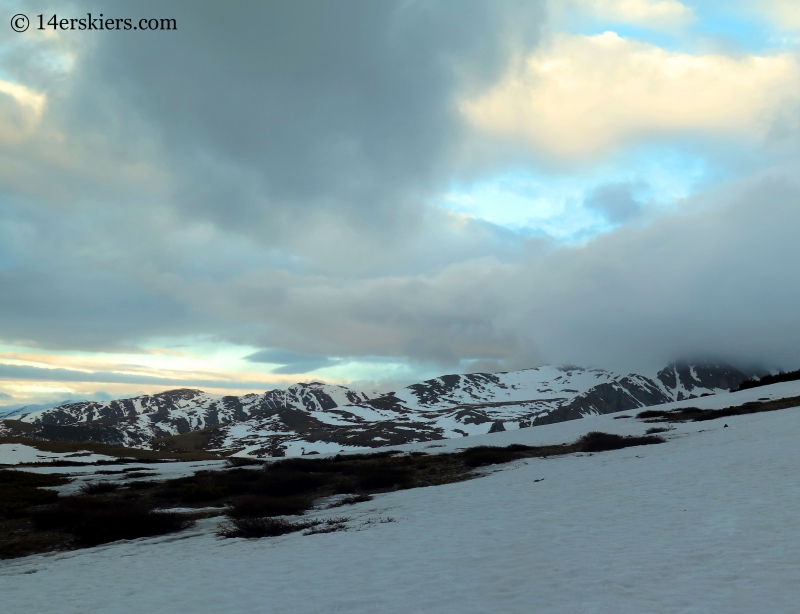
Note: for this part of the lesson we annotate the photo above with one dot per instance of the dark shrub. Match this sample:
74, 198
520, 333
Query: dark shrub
350, 501
98, 488
97, 522
261, 527
241, 461
287, 483
197, 488
599, 442
238, 477
305, 465
211, 486
14, 499
254, 506
201, 492
131, 469
345, 485
131, 524
481, 456
142, 484
656, 429
20, 490
330, 525
380, 478
371, 456
10, 477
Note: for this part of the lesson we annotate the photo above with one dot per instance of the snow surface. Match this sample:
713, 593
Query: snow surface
705, 523
15, 453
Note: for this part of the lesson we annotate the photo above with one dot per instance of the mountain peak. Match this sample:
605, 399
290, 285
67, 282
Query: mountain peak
330, 417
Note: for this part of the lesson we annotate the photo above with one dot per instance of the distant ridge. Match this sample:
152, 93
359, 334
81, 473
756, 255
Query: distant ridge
315, 417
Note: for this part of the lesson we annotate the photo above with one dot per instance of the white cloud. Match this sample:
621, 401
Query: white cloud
21, 110
785, 14
24, 96
658, 14
579, 95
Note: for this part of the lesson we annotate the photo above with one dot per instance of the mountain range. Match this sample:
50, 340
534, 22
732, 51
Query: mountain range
314, 417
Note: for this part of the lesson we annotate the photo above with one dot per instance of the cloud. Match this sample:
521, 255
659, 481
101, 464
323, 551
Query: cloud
267, 182
39, 374
784, 14
711, 279
615, 201
581, 95
23, 96
342, 108
658, 14
291, 362
20, 112
156, 164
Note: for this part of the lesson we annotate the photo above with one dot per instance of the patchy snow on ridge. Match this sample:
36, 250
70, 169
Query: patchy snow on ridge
315, 417
547, 382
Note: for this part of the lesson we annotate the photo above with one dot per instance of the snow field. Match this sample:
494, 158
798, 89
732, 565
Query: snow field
706, 522
15, 453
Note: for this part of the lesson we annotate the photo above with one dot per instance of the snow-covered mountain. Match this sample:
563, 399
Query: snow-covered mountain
316, 417
9, 411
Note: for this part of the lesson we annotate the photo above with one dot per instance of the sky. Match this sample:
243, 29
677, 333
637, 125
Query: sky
376, 193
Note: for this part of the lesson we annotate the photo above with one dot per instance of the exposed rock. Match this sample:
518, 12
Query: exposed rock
324, 417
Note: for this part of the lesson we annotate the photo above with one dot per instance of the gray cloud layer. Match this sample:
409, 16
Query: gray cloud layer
714, 280
615, 201
291, 362
261, 176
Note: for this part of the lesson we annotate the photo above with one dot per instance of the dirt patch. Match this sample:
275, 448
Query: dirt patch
695, 414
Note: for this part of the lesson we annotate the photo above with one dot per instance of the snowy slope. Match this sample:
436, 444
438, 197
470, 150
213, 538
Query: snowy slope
15, 453
703, 523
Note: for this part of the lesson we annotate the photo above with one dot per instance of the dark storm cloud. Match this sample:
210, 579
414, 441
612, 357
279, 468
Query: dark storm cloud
269, 109
615, 201
308, 134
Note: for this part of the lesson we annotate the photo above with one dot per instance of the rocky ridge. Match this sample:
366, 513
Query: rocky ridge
316, 418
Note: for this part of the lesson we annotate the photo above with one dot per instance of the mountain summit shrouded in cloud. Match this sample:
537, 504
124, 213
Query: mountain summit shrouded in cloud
379, 192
